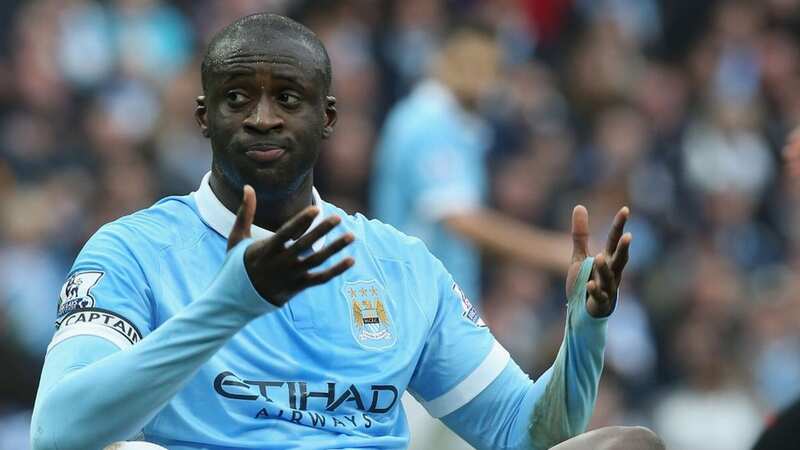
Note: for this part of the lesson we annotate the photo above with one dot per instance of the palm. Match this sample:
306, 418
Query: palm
608, 265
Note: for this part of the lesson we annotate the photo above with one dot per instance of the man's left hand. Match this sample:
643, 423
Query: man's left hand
608, 265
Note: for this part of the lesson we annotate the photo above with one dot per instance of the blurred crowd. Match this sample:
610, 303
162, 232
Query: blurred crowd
676, 108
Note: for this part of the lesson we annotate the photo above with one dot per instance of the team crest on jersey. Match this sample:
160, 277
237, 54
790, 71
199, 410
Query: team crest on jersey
469, 312
75, 292
370, 320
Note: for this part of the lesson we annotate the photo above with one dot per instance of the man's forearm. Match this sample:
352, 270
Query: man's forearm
144, 377
515, 413
499, 234
567, 402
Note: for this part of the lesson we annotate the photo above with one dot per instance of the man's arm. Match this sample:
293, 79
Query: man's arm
510, 238
447, 186
513, 412
92, 394
107, 395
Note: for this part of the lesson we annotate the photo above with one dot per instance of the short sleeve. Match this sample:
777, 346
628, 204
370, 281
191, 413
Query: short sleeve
106, 293
461, 356
447, 182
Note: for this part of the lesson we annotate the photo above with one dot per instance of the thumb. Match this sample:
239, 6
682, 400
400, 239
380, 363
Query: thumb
244, 218
580, 233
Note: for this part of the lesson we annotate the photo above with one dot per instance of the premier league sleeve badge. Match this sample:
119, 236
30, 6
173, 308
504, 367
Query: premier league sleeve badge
75, 295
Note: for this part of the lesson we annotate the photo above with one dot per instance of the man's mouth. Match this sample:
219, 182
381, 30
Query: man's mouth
264, 153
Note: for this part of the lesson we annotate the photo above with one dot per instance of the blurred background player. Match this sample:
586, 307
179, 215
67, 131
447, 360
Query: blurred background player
430, 177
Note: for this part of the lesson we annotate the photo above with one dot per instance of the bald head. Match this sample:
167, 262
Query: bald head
269, 38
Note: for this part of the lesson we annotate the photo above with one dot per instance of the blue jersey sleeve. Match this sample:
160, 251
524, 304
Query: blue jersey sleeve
513, 412
138, 381
460, 357
107, 292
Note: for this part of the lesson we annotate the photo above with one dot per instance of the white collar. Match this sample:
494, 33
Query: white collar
221, 220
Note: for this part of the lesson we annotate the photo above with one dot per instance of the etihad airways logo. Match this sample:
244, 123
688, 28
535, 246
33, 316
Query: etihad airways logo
380, 398
297, 402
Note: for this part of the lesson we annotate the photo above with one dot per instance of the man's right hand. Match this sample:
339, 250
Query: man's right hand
278, 271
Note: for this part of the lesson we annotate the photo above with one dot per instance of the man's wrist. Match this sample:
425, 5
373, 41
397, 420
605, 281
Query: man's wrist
580, 317
234, 287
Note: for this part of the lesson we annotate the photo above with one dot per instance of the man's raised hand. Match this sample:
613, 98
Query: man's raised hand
608, 265
278, 271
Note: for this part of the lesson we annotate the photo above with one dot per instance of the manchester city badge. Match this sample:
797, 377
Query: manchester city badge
370, 320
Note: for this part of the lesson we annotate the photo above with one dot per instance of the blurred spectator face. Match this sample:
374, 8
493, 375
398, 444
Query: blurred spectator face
518, 190
779, 59
530, 90
783, 9
38, 80
662, 95
469, 64
716, 288
347, 158
622, 135
124, 188
25, 216
28, 137
698, 348
523, 183
603, 67
348, 45
738, 20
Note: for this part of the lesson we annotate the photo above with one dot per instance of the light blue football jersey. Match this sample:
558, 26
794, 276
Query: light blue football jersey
327, 370
429, 164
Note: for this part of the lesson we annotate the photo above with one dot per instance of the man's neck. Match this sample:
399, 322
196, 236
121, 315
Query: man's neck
272, 210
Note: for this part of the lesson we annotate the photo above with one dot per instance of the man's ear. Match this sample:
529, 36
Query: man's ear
201, 115
330, 116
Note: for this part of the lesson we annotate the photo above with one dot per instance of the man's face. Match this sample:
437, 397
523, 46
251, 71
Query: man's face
266, 113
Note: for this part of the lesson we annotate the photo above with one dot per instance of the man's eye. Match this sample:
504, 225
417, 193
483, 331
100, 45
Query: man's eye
289, 99
235, 98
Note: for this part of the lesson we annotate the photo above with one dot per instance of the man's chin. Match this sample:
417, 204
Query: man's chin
277, 178
272, 180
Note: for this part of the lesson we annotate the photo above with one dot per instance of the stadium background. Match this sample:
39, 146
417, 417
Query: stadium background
677, 108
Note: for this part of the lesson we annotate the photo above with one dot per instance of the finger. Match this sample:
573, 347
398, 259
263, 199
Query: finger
297, 225
315, 278
244, 218
580, 233
599, 278
308, 239
621, 256
605, 279
596, 293
321, 256
617, 229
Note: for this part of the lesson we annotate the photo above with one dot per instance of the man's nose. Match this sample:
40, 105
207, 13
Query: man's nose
264, 117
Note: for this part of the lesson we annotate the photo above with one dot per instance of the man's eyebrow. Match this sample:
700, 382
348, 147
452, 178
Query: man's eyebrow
290, 73
290, 76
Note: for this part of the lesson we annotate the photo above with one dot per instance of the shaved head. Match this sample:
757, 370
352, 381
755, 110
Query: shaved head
255, 38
